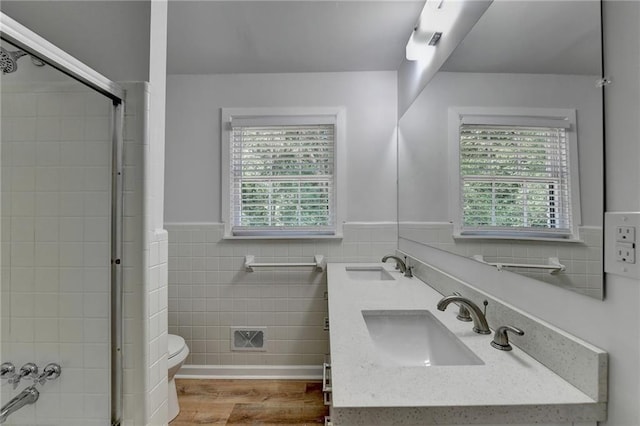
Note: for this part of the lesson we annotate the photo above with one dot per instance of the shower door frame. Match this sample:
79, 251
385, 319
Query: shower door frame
25, 39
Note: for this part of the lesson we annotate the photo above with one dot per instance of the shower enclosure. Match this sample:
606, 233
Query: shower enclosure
61, 234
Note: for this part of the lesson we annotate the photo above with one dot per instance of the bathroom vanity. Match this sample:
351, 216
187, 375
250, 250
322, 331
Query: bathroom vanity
396, 359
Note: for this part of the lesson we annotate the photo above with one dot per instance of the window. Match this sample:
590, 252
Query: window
281, 172
517, 173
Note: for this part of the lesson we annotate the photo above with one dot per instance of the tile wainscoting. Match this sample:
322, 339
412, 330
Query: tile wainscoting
209, 291
583, 260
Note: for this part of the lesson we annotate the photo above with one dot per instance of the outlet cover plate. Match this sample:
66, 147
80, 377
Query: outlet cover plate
613, 221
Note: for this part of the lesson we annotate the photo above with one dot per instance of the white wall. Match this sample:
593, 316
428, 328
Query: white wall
109, 36
192, 185
612, 324
622, 104
158, 88
423, 134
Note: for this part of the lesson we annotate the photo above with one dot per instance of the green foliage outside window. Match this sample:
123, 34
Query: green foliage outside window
285, 176
511, 177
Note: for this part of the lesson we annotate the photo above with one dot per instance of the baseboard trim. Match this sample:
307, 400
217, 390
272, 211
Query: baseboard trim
282, 372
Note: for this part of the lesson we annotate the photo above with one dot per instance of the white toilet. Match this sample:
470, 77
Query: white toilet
178, 351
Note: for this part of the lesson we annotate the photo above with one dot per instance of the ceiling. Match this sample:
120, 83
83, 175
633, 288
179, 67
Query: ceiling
538, 37
265, 36
238, 36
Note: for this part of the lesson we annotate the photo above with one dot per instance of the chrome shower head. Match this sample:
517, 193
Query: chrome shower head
9, 59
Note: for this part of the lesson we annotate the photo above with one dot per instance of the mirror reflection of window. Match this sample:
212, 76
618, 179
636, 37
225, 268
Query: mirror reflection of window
517, 173
519, 55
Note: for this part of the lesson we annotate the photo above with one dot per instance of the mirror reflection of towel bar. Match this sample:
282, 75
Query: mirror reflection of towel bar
554, 265
319, 263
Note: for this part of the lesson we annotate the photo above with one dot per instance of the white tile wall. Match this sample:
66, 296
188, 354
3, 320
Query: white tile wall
583, 260
133, 382
134, 258
55, 247
145, 275
209, 291
157, 309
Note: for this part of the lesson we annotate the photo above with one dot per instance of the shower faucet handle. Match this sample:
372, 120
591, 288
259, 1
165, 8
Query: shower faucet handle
27, 370
7, 370
50, 372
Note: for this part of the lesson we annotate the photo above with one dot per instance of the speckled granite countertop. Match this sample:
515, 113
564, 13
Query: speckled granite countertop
360, 380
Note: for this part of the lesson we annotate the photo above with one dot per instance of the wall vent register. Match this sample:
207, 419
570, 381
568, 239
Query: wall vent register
248, 339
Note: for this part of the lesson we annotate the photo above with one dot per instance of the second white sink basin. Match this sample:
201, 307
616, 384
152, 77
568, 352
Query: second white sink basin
368, 273
415, 338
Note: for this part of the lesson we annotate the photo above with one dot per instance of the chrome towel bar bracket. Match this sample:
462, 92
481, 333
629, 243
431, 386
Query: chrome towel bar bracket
319, 263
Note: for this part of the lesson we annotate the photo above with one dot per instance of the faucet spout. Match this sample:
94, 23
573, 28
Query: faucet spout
401, 265
480, 325
28, 396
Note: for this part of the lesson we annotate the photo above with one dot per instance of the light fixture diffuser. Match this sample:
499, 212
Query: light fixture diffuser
427, 32
435, 38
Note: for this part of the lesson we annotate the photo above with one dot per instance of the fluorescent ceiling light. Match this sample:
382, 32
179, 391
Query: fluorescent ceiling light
435, 20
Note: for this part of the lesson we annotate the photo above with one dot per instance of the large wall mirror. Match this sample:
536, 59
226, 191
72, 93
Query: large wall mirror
520, 56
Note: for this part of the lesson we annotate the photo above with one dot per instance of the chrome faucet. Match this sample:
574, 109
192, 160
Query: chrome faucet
406, 270
28, 396
7, 370
50, 372
27, 370
480, 325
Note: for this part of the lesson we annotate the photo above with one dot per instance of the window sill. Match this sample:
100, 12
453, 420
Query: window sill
518, 238
282, 237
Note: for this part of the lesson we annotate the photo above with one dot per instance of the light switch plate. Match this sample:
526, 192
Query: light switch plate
615, 225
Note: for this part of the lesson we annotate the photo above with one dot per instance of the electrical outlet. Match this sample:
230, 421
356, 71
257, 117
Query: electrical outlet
626, 252
619, 244
626, 234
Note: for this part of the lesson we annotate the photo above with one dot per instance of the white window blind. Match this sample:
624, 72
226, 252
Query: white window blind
515, 179
282, 177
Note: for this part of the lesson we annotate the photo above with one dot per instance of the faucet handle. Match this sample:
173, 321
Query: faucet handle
409, 272
501, 339
27, 370
7, 370
50, 372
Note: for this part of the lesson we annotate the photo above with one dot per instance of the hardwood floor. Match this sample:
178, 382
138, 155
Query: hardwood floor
250, 402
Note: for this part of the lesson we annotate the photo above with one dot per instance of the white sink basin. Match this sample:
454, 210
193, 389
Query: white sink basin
415, 338
368, 273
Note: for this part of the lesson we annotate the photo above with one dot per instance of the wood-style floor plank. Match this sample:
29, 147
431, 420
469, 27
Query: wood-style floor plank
275, 414
250, 402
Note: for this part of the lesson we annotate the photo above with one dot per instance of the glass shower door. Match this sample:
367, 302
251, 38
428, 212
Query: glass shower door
56, 206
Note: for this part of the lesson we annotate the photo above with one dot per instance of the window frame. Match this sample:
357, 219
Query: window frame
335, 115
513, 116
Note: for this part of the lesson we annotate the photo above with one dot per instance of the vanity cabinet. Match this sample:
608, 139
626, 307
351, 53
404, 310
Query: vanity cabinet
373, 382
